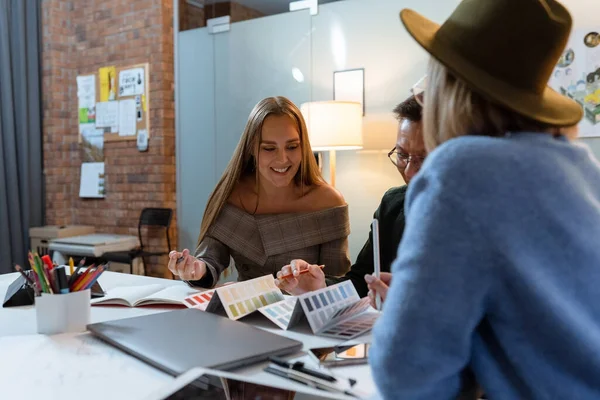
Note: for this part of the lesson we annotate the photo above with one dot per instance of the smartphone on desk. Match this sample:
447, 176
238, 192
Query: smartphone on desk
338, 356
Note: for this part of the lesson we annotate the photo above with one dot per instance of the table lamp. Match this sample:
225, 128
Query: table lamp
333, 125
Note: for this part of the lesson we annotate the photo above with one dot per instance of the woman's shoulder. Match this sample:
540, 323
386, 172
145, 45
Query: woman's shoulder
322, 197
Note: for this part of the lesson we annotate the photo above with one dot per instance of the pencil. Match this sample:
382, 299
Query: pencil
288, 276
93, 278
38, 272
81, 278
40, 265
75, 275
71, 265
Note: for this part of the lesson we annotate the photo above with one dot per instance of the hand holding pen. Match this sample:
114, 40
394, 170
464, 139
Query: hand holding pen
186, 266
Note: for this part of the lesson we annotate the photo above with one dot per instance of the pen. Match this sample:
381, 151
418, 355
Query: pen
376, 259
299, 366
288, 276
284, 374
48, 262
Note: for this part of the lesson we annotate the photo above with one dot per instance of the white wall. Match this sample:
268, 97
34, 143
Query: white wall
368, 34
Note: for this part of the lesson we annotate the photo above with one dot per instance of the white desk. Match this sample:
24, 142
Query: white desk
74, 366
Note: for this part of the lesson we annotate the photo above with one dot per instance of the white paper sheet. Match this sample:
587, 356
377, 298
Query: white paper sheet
131, 82
92, 180
127, 118
107, 114
86, 91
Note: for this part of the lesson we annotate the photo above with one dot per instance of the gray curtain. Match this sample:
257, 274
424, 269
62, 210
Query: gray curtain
21, 178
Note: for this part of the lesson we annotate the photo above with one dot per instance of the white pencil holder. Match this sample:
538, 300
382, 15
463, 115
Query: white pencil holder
61, 313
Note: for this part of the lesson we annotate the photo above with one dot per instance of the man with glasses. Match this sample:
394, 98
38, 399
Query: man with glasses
407, 156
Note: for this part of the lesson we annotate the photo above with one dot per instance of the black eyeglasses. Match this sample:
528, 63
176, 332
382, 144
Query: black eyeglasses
401, 160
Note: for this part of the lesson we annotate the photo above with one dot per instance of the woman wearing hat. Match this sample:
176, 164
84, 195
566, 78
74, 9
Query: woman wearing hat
499, 268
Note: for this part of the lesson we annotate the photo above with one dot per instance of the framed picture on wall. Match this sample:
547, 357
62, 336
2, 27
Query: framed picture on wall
349, 85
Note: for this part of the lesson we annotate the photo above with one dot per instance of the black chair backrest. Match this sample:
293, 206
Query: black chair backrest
160, 217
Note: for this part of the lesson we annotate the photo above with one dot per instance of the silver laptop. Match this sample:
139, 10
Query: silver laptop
177, 341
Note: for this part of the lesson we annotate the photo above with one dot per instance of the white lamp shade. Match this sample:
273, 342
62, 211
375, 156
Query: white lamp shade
334, 125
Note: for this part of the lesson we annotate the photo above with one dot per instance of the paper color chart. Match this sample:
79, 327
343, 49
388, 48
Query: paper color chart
246, 297
281, 313
199, 300
353, 327
238, 299
319, 306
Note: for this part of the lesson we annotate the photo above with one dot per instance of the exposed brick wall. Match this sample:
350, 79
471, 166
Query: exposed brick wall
216, 10
190, 17
80, 36
243, 13
236, 11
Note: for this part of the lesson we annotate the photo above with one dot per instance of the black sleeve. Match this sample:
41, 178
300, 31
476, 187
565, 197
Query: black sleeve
364, 265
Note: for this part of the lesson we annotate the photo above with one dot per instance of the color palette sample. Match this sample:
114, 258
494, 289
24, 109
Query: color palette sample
284, 313
321, 305
338, 311
353, 327
199, 300
239, 299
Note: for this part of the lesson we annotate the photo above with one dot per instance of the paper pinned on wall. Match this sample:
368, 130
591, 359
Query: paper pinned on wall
107, 114
92, 180
86, 95
108, 84
127, 118
84, 127
93, 145
86, 91
131, 82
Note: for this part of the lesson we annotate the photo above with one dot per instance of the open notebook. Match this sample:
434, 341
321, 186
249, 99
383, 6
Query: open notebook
146, 295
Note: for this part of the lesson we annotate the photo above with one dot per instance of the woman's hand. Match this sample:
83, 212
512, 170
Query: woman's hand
378, 286
298, 284
186, 266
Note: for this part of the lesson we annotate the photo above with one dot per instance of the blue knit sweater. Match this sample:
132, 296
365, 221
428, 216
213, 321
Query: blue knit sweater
498, 271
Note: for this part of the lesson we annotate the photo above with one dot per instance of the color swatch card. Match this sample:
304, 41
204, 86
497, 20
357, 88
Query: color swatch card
284, 314
336, 306
238, 299
199, 300
335, 311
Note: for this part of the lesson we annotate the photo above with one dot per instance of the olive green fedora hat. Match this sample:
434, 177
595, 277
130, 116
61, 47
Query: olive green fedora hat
505, 50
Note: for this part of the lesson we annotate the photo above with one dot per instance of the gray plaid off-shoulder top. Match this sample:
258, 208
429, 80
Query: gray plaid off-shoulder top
262, 244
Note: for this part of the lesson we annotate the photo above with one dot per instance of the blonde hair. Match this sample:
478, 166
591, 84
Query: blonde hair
243, 163
452, 109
